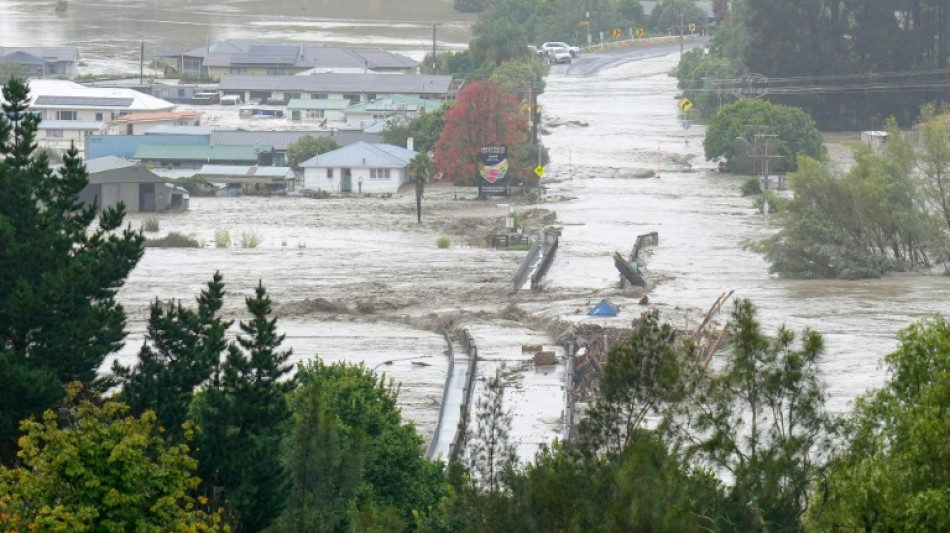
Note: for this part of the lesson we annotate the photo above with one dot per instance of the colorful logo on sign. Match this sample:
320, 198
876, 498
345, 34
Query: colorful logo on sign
494, 164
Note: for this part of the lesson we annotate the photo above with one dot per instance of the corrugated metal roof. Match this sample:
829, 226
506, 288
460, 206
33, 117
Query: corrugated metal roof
363, 155
133, 174
184, 152
161, 115
315, 103
396, 102
49, 53
109, 162
437, 84
280, 140
86, 101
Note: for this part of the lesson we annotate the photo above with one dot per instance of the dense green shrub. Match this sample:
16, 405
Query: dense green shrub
174, 240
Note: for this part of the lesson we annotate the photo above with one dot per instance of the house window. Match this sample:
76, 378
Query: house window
238, 70
378, 116
192, 65
329, 173
353, 98
319, 96
181, 93
379, 173
315, 113
98, 117
54, 133
66, 115
275, 71
291, 96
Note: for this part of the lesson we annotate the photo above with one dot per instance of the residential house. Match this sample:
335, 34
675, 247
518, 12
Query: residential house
92, 108
248, 178
66, 100
139, 123
62, 134
176, 91
40, 61
317, 111
359, 167
113, 180
248, 56
353, 87
381, 109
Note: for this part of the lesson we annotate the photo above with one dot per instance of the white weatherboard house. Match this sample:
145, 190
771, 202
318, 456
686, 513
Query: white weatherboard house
359, 167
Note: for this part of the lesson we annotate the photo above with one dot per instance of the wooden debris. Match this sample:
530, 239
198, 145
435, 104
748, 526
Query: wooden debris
545, 358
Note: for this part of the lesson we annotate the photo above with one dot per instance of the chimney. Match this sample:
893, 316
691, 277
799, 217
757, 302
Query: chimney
409, 143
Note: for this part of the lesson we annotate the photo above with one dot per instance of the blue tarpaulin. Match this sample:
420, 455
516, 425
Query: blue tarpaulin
604, 308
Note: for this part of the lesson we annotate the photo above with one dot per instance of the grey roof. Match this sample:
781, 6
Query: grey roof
90, 101
22, 58
109, 162
268, 55
49, 53
168, 129
280, 140
71, 125
342, 83
321, 103
132, 174
362, 154
381, 59
229, 46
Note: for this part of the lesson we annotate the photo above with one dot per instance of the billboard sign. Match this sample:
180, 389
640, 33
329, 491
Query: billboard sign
493, 171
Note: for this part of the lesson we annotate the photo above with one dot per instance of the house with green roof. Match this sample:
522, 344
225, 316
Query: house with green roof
382, 108
197, 155
319, 111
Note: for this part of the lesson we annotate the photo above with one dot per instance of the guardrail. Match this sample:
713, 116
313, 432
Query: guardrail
458, 443
445, 392
550, 249
519, 278
640, 41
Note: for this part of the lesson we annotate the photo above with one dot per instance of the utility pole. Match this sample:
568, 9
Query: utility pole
433, 48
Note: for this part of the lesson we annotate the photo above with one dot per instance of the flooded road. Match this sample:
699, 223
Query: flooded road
109, 33
631, 116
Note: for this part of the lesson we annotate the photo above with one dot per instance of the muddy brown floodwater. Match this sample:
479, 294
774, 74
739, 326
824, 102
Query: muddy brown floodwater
109, 33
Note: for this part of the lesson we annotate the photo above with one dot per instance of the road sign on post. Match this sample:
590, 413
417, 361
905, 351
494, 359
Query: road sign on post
685, 104
539, 170
640, 32
692, 27
617, 33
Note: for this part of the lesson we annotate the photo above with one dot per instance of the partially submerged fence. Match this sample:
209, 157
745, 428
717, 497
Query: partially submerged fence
550, 248
434, 442
458, 443
522, 274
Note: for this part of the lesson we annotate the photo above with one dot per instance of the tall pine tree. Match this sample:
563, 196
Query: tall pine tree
243, 415
58, 280
183, 348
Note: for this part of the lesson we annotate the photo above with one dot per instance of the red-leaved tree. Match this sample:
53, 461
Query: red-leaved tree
483, 115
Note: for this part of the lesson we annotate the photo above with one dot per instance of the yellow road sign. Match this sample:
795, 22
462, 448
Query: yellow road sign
583, 23
539, 170
616, 32
692, 27
640, 32
685, 104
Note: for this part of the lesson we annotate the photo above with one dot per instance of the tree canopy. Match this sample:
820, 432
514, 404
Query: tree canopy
58, 275
307, 147
95, 468
483, 115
